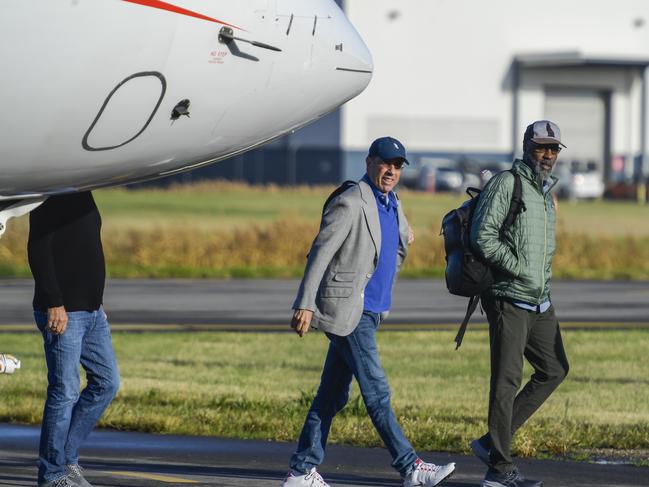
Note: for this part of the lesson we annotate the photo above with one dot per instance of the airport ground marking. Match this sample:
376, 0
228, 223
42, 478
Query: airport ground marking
152, 476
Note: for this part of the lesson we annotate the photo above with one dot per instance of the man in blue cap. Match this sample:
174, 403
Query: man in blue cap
345, 291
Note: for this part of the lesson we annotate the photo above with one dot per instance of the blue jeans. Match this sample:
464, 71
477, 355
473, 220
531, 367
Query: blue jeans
355, 355
69, 417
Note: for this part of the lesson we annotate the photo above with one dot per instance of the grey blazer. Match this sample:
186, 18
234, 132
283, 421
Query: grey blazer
342, 259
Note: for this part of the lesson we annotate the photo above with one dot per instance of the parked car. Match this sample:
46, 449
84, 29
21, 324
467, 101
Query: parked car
444, 178
410, 174
578, 181
433, 174
449, 175
490, 169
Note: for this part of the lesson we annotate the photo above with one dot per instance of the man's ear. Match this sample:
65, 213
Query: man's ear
368, 161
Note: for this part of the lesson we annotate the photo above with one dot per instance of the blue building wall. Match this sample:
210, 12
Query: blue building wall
311, 155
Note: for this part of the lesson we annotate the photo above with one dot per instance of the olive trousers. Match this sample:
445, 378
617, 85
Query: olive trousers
514, 334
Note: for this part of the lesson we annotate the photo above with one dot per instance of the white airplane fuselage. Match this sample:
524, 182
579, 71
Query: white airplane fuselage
89, 87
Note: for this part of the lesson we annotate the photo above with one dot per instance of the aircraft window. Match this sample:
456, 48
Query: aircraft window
126, 102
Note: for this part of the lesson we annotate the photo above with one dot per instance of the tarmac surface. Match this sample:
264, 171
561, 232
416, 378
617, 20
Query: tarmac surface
266, 304
114, 459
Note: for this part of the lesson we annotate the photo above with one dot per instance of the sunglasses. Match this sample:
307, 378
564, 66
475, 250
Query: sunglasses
542, 149
398, 164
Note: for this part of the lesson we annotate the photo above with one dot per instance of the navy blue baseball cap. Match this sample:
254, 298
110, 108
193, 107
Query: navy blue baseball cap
387, 148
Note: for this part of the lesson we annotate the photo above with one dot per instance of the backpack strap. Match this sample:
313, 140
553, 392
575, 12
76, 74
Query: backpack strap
470, 308
339, 190
516, 205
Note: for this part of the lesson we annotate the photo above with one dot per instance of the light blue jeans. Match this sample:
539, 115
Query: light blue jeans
355, 355
69, 417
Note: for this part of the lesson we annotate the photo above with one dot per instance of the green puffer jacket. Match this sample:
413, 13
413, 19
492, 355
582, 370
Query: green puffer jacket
521, 274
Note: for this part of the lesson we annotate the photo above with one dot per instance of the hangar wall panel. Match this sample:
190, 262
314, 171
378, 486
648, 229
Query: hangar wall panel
440, 60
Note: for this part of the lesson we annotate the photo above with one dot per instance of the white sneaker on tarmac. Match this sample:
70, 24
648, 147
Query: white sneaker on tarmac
311, 479
8, 363
428, 474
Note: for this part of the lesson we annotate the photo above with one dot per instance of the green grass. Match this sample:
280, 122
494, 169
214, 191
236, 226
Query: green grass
221, 204
209, 205
260, 386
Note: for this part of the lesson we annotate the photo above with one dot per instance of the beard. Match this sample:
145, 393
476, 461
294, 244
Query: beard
540, 173
544, 173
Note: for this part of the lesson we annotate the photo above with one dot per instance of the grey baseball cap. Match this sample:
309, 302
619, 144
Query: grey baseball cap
543, 132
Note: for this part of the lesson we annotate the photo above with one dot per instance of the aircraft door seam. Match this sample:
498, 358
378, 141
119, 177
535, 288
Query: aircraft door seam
163, 82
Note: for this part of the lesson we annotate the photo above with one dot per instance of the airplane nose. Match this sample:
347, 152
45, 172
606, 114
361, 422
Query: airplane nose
332, 62
356, 55
352, 58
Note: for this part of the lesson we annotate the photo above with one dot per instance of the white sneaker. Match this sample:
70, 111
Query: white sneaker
8, 363
311, 479
428, 474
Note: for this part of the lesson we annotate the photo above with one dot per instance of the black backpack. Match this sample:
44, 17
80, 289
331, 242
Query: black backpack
467, 274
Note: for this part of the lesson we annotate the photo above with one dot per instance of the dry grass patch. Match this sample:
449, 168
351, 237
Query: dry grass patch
221, 229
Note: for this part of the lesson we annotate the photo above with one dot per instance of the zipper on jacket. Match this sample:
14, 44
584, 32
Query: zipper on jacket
545, 244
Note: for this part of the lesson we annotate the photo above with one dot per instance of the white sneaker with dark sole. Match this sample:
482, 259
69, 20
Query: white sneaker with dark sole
428, 474
311, 479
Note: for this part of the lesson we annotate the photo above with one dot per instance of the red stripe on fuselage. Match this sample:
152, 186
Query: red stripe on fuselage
178, 10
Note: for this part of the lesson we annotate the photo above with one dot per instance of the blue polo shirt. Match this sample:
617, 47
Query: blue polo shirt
378, 292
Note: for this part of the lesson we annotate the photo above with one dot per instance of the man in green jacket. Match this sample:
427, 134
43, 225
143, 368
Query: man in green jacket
522, 323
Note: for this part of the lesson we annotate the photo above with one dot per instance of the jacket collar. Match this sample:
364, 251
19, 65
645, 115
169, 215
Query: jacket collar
378, 195
371, 212
370, 209
366, 191
526, 172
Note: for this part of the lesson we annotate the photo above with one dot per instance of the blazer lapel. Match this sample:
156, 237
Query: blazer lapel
403, 226
371, 213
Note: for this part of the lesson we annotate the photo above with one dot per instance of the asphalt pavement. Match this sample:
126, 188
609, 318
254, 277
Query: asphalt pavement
254, 302
114, 459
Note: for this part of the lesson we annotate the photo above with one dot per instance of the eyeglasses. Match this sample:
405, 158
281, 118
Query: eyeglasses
542, 149
397, 164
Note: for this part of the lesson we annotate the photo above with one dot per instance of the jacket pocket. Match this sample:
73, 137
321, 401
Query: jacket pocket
336, 292
344, 277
